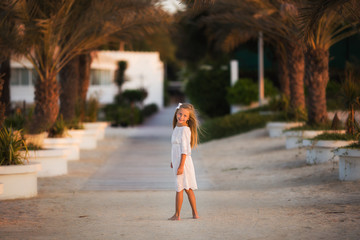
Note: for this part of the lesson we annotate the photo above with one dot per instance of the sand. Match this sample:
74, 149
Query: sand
256, 190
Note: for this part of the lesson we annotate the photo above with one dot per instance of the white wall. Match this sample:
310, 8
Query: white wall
144, 70
22, 93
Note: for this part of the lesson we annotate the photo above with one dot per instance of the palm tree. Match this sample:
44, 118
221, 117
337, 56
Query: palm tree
132, 19
330, 29
287, 21
56, 39
278, 22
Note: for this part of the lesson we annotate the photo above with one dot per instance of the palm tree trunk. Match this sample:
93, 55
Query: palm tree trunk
296, 66
46, 104
5, 94
350, 126
84, 81
69, 77
283, 72
2, 105
316, 78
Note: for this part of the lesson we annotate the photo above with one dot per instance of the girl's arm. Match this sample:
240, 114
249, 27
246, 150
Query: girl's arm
181, 166
185, 148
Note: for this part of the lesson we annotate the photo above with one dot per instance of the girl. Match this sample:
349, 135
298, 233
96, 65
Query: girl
184, 137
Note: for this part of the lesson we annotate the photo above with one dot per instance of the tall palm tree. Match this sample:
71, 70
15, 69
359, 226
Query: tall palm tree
287, 21
330, 29
132, 19
278, 22
56, 39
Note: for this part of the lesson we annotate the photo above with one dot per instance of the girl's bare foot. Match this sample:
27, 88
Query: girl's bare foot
174, 218
196, 216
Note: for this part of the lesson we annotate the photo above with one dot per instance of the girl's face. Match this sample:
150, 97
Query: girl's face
182, 116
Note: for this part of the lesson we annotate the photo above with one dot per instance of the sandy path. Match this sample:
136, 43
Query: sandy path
255, 189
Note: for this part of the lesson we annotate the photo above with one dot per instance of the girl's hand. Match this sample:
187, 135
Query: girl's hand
180, 171
171, 165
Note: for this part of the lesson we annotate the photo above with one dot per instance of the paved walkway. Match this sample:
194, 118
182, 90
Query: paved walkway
124, 190
142, 161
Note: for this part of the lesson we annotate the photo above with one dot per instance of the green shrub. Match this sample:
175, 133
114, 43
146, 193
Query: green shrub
16, 121
133, 96
233, 124
281, 105
245, 91
354, 145
59, 128
149, 110
109, 110
324, 126
118, 99
336, 137
206, 89
91, 110
33, 147
11, 143
74, 124
120, 73
122, 116
333, 98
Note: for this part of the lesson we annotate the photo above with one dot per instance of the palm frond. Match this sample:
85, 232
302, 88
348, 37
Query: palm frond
311, 14
61, 30
330, 29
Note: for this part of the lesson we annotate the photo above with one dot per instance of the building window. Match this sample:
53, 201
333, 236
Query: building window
100, 77
21, 77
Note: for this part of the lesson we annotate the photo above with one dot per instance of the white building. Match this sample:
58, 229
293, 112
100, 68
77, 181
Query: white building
144, 70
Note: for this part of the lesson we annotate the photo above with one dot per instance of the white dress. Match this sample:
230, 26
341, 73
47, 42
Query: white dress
180, 141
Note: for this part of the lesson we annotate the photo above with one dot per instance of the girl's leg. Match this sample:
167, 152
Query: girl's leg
192, 201
178, 204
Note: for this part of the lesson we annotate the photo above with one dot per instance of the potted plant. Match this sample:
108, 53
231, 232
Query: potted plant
349, 162
320, 149
349, 156
20, 120
76, 130
295, 136
91, 125
58, 140
53, 161
18, 176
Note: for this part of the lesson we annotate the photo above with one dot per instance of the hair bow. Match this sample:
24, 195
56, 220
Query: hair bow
178, 107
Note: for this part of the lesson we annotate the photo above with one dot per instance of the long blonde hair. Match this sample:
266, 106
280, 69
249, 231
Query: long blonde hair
193, 123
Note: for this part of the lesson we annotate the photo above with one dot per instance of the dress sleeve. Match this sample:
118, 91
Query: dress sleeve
185, 141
